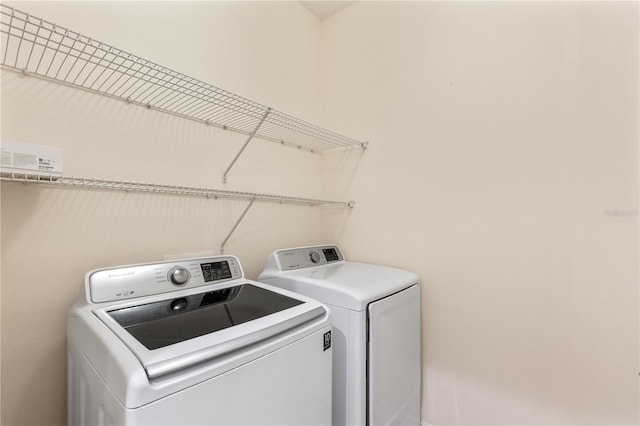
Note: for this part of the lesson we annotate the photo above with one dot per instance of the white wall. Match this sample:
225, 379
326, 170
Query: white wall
503, 168
268, 51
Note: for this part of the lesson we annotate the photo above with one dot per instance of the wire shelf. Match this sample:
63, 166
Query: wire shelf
130, 186
41, 48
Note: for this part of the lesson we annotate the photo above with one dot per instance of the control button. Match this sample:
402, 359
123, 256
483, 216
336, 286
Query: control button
179, 304
179, 275
314, 256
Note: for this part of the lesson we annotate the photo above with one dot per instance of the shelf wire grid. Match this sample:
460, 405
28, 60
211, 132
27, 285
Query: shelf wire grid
37, 47
131, 186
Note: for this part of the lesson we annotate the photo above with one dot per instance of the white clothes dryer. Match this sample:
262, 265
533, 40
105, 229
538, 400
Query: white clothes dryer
376, 339
192, 342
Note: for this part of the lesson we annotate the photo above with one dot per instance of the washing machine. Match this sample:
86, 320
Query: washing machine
192, 342
376, 340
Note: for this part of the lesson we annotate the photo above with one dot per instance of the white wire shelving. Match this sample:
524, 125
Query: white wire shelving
40, 48
36, 47
131, 186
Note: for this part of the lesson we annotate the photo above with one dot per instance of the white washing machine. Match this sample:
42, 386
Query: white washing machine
376, 339
193, 342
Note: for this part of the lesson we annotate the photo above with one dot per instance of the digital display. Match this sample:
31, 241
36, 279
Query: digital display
330, 254
215, 271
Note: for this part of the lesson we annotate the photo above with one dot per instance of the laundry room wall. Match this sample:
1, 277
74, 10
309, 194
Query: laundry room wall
503, 168
267, 51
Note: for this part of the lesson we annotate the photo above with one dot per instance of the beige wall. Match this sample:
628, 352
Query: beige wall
51, 237
503, 168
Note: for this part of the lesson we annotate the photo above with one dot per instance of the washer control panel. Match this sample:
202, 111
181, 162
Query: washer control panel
127, 282
306, 257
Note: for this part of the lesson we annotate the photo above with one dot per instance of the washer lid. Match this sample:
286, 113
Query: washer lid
171, 334
167, 322
347, 284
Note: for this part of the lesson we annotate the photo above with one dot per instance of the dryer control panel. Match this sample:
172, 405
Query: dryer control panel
306, 257
127, 282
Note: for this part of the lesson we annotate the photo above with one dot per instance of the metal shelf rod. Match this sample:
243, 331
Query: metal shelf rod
244, 213
224, 175
176, 114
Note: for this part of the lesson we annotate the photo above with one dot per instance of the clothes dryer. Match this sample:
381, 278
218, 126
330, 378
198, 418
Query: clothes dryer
376, 340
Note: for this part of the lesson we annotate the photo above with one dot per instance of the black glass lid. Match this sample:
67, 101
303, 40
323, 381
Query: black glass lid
164, 323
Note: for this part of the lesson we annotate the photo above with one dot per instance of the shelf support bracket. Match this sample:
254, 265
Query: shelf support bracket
251, 135
236, 225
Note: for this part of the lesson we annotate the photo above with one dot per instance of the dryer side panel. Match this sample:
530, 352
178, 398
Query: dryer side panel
394, 359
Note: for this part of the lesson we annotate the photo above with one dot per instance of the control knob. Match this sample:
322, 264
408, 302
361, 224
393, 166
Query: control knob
179, 275
314, 256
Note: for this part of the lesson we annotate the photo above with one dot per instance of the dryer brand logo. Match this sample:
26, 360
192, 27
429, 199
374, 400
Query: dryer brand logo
327, 340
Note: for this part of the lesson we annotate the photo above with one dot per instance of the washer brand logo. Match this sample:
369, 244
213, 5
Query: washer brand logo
123, 274
327, 340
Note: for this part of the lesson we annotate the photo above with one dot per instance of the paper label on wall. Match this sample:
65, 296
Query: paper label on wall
22, 157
